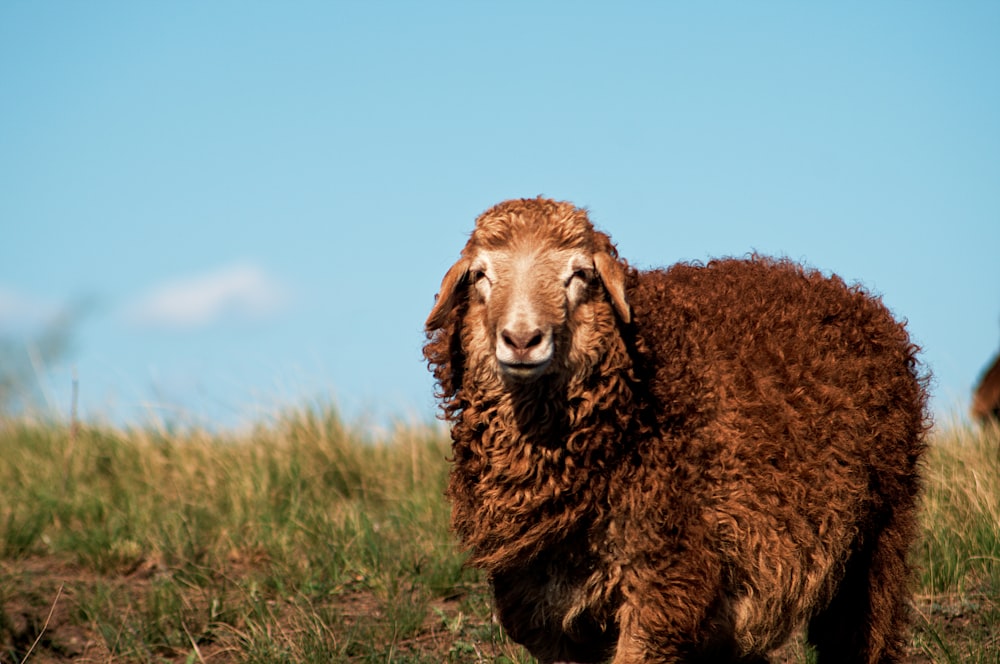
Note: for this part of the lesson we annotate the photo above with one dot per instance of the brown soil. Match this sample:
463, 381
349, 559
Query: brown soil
41, 621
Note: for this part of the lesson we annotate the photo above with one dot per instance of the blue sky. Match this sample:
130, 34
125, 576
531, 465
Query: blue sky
253, 203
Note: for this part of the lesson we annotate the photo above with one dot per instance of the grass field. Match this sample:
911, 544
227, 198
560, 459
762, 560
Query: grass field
309, 541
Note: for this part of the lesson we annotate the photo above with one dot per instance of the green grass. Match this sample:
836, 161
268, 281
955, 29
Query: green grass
958, 601
306, 540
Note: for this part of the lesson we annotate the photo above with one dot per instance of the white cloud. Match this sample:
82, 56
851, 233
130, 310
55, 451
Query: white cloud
18, 310
238, 291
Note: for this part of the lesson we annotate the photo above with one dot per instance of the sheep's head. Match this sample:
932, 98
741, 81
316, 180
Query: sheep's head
536, 284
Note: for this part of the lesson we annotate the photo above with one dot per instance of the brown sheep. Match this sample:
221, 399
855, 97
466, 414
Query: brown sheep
986, 399
679, 465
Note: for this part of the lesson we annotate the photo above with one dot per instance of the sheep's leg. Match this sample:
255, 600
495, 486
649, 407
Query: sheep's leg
633, 640
866, 620
657, 629
637, 646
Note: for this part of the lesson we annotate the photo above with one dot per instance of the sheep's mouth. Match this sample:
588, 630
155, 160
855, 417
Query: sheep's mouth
524, 371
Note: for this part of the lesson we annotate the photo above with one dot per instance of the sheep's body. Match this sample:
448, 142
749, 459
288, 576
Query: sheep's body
986, 398
738, 459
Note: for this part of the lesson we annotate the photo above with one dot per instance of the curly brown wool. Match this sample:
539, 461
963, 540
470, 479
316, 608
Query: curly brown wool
680, 465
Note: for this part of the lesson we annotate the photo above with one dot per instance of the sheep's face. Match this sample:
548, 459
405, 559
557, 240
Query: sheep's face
523, 296
535, 278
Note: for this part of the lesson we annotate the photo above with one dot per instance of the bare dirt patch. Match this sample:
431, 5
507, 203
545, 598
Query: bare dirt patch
46, 617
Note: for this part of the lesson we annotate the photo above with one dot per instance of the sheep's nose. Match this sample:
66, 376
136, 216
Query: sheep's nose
524, 351
522, 341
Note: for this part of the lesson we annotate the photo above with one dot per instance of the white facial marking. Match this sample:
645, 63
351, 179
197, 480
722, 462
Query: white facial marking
524, 284
524, 340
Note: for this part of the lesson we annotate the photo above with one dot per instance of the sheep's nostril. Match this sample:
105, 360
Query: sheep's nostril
522, 341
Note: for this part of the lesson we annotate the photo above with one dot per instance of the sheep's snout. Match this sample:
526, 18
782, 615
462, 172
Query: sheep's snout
524, 351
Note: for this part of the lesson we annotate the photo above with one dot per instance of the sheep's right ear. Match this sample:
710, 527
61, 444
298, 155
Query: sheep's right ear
613, 275
446, 297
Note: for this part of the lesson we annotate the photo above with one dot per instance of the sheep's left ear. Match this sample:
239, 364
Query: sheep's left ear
613, 275
446, 297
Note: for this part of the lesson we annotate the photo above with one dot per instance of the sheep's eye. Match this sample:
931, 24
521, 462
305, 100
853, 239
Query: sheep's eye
481, 282
582, 275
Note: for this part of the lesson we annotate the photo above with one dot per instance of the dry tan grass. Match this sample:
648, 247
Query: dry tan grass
306, 540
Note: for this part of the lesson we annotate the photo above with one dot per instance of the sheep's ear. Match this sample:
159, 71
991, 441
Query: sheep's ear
446, 297
613, 275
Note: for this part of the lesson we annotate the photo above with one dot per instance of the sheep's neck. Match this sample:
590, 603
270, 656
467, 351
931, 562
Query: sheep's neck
531, 465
